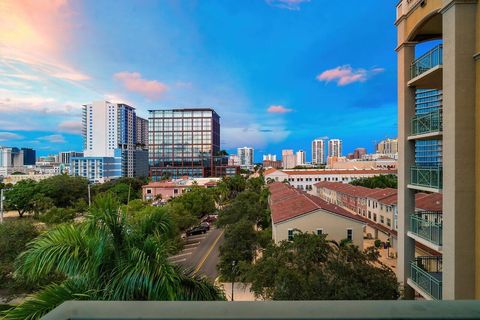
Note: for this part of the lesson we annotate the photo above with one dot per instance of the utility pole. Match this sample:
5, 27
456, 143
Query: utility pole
1, 206
89, 196
233, 276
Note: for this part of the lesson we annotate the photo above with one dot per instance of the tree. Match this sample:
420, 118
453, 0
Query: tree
65, 190
312, 268
381, 181
198, 201
109, 256
123, 188
21, 196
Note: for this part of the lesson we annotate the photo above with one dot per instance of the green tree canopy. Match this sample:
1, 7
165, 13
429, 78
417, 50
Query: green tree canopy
20, 197
311, 268
381, 181
109, 256
64, 190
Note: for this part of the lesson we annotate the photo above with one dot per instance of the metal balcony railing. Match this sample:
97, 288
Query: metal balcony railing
427, 123
427, 61
426, 272
430, 177
427, 225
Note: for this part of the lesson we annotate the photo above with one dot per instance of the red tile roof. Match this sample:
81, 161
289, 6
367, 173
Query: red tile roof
286, 203
429, 202
379, 194
338, 171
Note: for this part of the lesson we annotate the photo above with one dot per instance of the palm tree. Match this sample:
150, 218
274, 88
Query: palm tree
110, 256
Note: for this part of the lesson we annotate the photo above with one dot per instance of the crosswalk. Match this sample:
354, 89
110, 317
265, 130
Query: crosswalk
190, 246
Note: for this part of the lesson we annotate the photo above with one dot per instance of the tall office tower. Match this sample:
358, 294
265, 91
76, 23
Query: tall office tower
387, 146
334, 148
6, 161
234, 160
288, 159
300, 158
142, 132
110, 144
66, 156
318, 151
438, 148
29, 156
269, 157
358, 153
183, 142
246, 157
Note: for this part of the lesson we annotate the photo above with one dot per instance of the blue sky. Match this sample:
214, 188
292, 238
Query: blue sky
279, 72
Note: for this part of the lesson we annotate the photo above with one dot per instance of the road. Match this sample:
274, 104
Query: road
201, 253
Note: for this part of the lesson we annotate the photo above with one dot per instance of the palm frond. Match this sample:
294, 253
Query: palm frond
49, 298
194, 287
68, 249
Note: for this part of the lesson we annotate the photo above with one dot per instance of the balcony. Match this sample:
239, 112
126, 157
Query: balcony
428, 226
426, 276
426, 71
163, 310
426, 178
428, 125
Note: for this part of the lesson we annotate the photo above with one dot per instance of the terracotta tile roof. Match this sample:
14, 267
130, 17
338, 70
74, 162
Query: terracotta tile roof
286, 203
390, 200
269, 171
379, 194
429, 202
338, 171
163, 184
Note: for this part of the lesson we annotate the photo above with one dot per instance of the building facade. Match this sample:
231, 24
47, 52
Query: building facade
246, 156
183, 142
66, 156
438, 142
142, 133
387, 146
110, 142
300, 158
334, 148
288, 159
318, 151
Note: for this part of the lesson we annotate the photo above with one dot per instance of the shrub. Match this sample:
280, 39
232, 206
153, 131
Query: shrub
377, 243
58, 215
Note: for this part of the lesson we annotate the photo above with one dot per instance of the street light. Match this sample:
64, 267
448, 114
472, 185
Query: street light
233, 275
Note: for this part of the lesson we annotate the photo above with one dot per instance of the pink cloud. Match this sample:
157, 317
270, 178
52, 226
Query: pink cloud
133, 81
286, 4
344, 75
70, 126
278, 109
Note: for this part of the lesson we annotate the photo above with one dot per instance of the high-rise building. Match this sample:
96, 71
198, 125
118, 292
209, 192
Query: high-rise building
234, 160
269, 157
300, 158
66, 156
438, 148
387, 146
318, 151
142, 132
110, 143
288, 159
246, 157
358, 153
183, 142
29, 156
334, 148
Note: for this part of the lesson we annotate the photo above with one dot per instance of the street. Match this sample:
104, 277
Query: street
201, 252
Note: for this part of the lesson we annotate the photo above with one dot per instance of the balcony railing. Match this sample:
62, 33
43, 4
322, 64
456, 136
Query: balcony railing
426, 272
427, 123
430, 177
427, 61
427, 225
245, 310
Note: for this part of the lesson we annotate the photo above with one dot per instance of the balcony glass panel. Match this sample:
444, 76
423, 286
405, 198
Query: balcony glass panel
427, 225
427, 61
427, 123
430, 177
426, 272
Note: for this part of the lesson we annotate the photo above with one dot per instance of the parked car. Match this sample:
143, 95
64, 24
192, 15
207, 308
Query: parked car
211, 218
205, 224
197, 230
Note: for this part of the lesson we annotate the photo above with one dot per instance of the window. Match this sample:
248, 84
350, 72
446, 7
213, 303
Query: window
319, 232
149, 190
389, 222
350, 234
382, 220
375, 217
290, 234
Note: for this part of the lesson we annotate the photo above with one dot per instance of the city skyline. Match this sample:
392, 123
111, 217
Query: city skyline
269, 92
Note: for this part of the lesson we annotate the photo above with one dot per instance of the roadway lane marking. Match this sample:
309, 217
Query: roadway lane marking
178, 261
199, 237
180, 255
200, 265
192, 244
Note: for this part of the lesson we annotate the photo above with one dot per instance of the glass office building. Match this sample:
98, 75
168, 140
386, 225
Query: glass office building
183, 142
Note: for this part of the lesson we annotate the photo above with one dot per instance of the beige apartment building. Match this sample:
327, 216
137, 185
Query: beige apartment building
438, 146
293, 210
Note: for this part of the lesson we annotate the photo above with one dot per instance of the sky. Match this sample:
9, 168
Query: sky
278, 72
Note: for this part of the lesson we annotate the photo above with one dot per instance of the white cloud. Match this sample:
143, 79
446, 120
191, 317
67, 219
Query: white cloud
286, 4
6, 136
70, 126
54, 138
344, 75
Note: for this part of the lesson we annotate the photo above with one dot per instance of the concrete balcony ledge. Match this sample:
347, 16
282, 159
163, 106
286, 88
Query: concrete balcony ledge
425, 242
373, 310
436, 135
431, 79
423, 188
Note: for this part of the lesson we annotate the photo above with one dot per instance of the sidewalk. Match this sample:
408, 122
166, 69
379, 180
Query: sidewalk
389, 262
241, 292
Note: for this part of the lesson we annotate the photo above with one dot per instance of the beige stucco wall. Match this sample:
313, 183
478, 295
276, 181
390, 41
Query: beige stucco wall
333, 225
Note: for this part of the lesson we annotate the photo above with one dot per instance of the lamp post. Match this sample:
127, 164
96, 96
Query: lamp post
233, 275
2, 198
